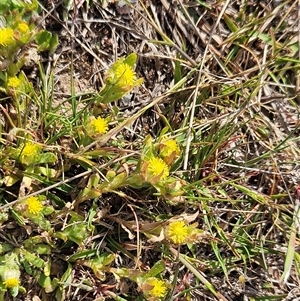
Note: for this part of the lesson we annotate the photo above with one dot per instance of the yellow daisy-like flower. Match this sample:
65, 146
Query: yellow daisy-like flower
11, 278
120, 79
11, 282
34, 206
177, 232
29, 153
97, 126
168, 147
23, 27
125, 75
159, 288
6, 36
13, 82
158, 167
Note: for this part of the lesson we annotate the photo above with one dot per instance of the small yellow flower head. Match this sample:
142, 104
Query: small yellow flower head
11, 277
11, 282
122, 75
23, 27
158, 168
34, 206
6, 36
177, 232
168, 147
13, 82
155, 288
97, 126
29, 153
125, 75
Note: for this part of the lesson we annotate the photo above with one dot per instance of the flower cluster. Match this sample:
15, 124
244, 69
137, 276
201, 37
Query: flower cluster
154, 289
122, 75
13, 82
120, 79
177, 232
96, 126
158, 168
33, 205
6, 36
29, 153
23, 27
168, 147
157, 160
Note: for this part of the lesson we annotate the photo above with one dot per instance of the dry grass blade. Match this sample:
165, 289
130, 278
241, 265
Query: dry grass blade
195, 94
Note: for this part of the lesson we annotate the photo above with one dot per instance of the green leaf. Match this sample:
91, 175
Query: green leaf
53, 43
19, 219
10, 180
255, 195
33, 259
77, 233
61, 236
66, 279
45, 171
47, 268
177, 72
46, 283
131, 59
47, 158
46, 41
97, 264
93, 180
14, 291
88, 194
157, 269
117, 182
230, 23
82, 254
43, 249
27, 267
5, 247
48, 210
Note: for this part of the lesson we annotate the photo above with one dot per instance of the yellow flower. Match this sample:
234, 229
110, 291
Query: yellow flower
29, 153
120, 79
23, 27
122, 74
11, 282
157, 288
158, 167
97, 126
13, 82
125, 75
34, 206
177, 232
11, 277
6, 36
168, 147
